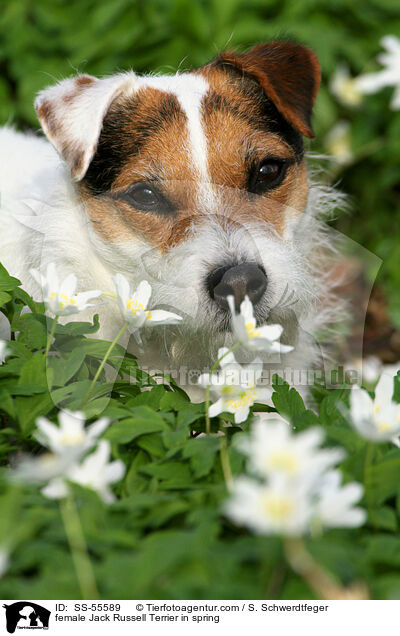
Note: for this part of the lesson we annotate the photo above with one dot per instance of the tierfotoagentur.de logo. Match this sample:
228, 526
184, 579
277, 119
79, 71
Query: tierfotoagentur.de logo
26, 615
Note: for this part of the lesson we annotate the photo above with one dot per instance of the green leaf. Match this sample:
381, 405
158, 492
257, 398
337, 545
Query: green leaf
6, 403
385, 477
7, 282
143, 421
289, 403
383, 518
384, 549
173, 400
4, 298
66, 366
171, 474
202, 452
34, 372
33, 330
78, 328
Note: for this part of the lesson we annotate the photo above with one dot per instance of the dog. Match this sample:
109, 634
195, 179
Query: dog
196, 182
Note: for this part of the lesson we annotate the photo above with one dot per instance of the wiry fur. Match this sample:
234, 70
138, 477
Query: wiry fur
46, 217
42, 220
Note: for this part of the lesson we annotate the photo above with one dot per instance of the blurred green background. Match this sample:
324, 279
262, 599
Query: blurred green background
42, 41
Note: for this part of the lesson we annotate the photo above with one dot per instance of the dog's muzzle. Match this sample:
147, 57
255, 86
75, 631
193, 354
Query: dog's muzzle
244, 279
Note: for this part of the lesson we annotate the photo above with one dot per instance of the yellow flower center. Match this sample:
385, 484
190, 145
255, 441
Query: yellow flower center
72, 439
350, 92
63, 300
246, 398
284, 461
384, 427
277, 508
134, 306
252, 332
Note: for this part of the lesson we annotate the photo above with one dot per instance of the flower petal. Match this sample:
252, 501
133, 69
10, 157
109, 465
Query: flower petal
97, 428
142, 293
55, 489
270, 332
122, 287
68, 286
384, 389
216, 408
159, 316
246, 310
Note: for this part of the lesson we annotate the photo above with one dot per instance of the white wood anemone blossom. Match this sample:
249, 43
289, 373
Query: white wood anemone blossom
294, 490
95, 472
244, 329
134, 307
70, 438
235, 384
61, 299
388, 76
4, 352
67, 442
344, 87
273, 450
378, 419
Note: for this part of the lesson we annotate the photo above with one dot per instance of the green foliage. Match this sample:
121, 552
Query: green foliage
166, 535
45, 41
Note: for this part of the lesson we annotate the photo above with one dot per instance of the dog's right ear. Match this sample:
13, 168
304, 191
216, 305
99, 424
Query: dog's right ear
289, 74
72, 113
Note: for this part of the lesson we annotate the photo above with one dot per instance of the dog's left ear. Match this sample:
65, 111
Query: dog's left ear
289, 74
72, 113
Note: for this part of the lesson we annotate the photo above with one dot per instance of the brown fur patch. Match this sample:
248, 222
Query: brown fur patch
84, 80
149, 138
288, 73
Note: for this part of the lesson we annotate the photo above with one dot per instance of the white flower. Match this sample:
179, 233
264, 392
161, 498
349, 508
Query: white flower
60, 298
40, 469
334, 507
70, 438
133, 306
274, 450
389, 76
379, 419
369, 368
236, 386
4, 352
338, 143
344, 87
68, 442
269, 509
5, 327
94, 472
252, 337
4, 560
299, 491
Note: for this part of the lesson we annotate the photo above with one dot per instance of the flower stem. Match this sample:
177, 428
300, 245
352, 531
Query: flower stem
226, 467
50, 336
368, 461
214, 368
103, 362
321, 581
78, 547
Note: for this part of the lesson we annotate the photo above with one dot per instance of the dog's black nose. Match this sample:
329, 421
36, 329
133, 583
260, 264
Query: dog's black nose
246, 279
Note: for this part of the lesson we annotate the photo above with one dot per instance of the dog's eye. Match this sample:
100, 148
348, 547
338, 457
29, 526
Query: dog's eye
267, 175
143, 195
147, 197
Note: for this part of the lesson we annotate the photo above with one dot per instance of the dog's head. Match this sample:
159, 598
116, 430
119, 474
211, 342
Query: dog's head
195, 181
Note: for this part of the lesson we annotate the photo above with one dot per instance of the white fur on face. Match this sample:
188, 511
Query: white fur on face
189, 90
